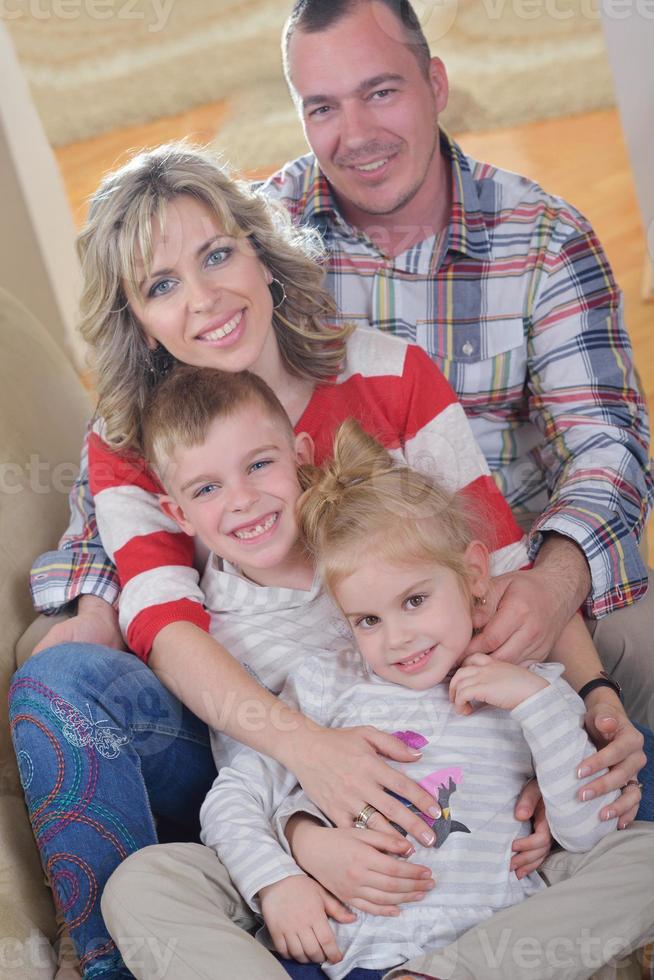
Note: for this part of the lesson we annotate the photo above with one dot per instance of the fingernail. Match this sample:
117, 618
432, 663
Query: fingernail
622, 826
522, 813
425, 874
583, 771
588, 794
410, 850
434, 811
427, 838
610, 815
415, 752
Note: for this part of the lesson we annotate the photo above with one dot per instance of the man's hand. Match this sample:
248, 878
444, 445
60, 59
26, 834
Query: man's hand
96, 622
361, 867
489, 681
531, 851
527, 611
296, 911
620, 751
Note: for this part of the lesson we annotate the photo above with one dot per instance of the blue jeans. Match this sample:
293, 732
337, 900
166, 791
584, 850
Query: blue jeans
102, 745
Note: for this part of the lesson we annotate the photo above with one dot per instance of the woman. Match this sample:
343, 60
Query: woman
181, 263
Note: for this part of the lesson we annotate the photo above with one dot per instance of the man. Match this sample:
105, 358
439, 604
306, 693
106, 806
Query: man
507, 288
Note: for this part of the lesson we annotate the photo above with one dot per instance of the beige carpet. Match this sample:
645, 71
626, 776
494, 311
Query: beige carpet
509, 61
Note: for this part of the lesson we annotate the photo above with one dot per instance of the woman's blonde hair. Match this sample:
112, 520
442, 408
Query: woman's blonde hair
362, 503
117, 238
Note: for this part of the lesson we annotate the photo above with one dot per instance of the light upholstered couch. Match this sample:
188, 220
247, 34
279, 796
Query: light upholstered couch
43, 409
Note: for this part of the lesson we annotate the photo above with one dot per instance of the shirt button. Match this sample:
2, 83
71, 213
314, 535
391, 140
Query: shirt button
467, 348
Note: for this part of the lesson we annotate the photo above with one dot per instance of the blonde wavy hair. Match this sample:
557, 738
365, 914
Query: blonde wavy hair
117, 238
362, 504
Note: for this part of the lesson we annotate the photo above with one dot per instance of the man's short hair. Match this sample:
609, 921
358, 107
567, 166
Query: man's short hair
183, 406
313, 16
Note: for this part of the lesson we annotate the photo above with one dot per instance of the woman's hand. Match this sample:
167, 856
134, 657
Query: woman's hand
342, 771
96, 622
620, 751
296, 911
361, 867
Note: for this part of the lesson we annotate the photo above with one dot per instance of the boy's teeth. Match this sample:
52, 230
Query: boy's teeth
225, 330
372, 166
257, 529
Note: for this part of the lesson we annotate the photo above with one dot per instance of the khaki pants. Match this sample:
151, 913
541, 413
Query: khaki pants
625, 643
175, 915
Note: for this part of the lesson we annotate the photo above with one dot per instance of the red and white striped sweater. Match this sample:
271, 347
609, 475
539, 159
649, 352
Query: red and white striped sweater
397, 394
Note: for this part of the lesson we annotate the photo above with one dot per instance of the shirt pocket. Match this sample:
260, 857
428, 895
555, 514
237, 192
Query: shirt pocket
487, 356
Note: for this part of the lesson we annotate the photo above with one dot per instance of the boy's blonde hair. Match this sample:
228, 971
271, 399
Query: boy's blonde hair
117, 238
363, 503
183, 406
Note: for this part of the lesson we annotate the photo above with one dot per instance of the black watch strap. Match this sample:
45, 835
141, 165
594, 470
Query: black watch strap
602, 681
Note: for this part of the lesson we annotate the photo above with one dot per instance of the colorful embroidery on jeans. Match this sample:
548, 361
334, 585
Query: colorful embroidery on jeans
81, 731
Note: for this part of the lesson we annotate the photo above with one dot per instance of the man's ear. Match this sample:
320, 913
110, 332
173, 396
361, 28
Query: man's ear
304, 449
439, 83
478, 563
172, 509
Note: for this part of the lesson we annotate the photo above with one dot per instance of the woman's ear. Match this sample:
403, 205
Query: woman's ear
172, 509
304, 449
477, 560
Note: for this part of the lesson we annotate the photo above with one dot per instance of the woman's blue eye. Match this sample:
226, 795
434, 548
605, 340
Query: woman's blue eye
161, 288
218, 256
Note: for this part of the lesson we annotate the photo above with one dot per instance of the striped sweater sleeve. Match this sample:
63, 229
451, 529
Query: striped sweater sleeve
438, 440
154, 558
552, 722
238, 815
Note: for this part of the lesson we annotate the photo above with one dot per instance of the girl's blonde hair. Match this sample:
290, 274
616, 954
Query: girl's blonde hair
364, 504
117, 238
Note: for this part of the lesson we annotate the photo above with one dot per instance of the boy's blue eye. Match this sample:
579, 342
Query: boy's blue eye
260, 465
205, 490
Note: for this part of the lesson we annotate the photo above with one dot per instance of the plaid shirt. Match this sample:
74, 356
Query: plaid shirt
517, 305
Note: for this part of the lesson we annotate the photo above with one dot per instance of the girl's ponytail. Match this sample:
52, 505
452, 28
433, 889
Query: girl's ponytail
363, 501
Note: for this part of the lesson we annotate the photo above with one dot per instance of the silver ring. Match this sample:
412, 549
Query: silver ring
361, 822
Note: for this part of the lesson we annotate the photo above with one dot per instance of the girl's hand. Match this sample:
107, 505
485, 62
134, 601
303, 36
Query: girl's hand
340, 769
296, 911
501, 685
620, 751
361, 867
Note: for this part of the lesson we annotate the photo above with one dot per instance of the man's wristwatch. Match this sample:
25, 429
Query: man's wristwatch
602, 681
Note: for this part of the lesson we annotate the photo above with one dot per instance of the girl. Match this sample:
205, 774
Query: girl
181, 263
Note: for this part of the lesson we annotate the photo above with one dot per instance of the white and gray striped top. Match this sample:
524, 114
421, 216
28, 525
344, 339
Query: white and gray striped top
483, 760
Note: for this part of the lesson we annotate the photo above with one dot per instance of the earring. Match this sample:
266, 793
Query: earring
479, 600
280, 285
158, 362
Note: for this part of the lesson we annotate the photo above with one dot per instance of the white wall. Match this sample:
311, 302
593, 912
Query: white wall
630, 43
38, 264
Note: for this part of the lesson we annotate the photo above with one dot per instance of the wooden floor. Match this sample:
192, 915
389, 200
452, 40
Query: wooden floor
583, 159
